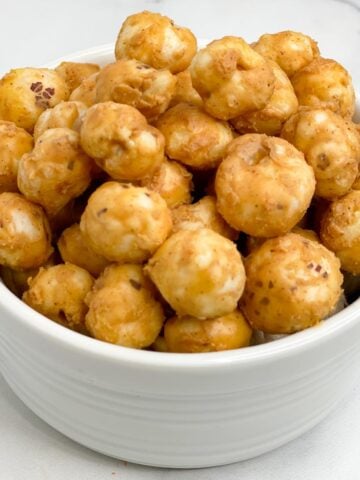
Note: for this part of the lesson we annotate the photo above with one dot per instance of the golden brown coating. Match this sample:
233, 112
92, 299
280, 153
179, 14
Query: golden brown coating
231, 78
14, 142
199, 273
155, 40
123, 308
202, 214
184, 91
133, 83
292, 283
124, 223
194, 138
86, 91
24, 233
325, 83
253, 243
59, 293
172, 181
191, 335
356, 184
264, 185
74, 73
74, 249
63, 115
340, 231
331, 145
282, 104
26, 92
290, 50
121, 142
56, 171
18, 280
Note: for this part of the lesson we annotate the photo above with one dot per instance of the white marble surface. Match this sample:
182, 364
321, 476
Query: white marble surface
34, 32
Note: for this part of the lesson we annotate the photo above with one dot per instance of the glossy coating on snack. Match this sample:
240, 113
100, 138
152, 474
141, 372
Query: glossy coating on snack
324, 83
59, 293
202, 214
63, 115
24, 233
14, 142
340, 231
263, 186
124, 223
191, 335
74, 73
193, 137
136, 84
155, 40
331, 145
172, 181
231, 78
184, 91
26, 92
56, 171
74, 249
86, 91
199, 273
290, 50
282, 104
292, 283
123, 308
121, 142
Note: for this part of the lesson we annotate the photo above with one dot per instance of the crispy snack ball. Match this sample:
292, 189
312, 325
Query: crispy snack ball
59, 293
325, 83
340, 231
63, 115
121, 142
74, 249
136, 84
290, 50
24, 233
26, 92
14, 142
86, 91
172, 181
292, 283
231, 78
282, 104
264, 185
56, 171
202, 214
191, 335
155, 40
124, 223
199, 273
331, 145
194, 138
184, 91
123, 308
74, 73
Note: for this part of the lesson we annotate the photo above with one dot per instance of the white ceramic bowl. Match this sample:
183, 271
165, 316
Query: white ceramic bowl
176, 410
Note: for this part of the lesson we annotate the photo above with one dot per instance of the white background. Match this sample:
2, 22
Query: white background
33, 32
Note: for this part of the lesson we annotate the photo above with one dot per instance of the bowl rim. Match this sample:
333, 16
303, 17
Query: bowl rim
272, 351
